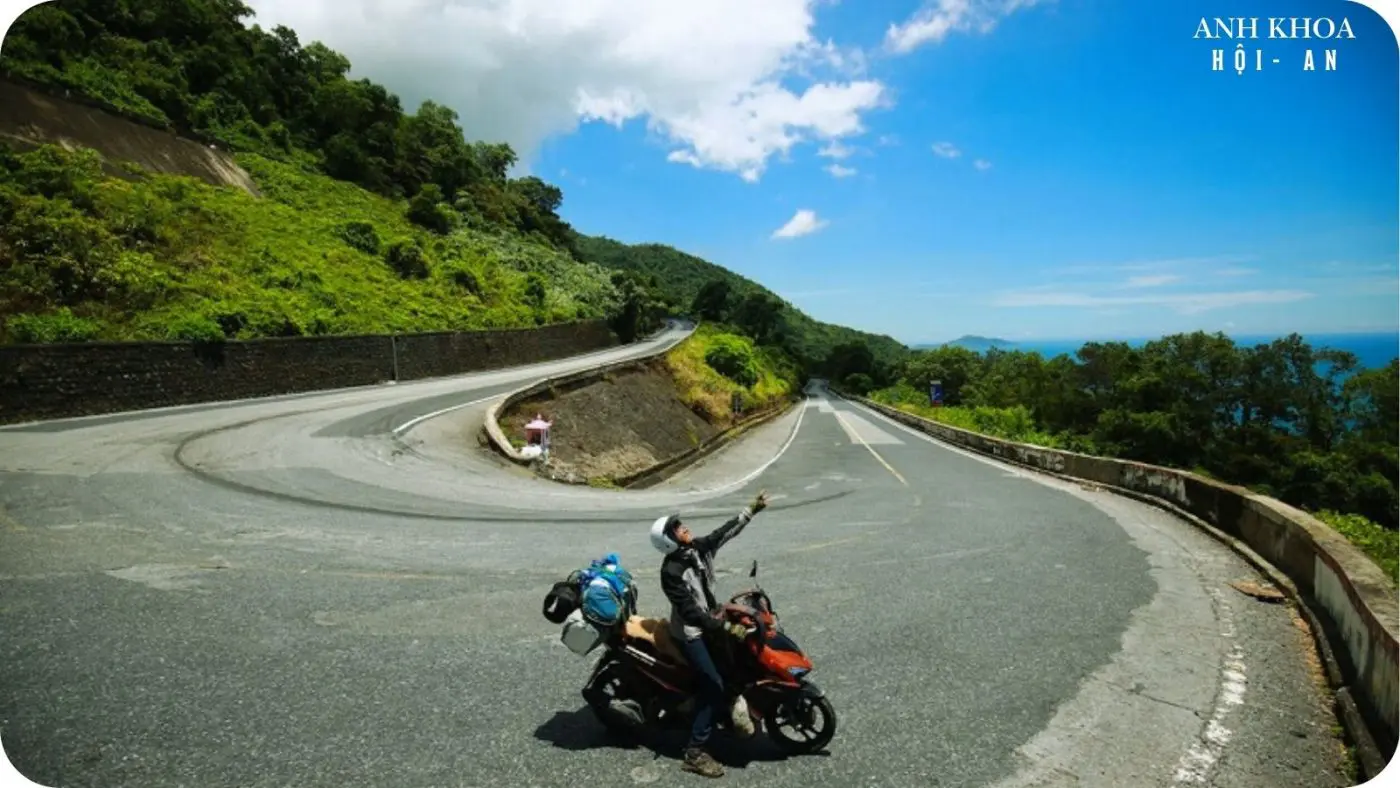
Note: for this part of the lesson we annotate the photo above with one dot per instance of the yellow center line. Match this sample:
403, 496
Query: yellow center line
856, 435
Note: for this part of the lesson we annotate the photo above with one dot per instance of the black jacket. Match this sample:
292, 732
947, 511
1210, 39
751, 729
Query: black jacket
688, 579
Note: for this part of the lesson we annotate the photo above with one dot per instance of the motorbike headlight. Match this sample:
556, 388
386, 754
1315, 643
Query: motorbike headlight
795, 671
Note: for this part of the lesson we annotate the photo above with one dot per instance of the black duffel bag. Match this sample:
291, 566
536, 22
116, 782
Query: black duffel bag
564, 597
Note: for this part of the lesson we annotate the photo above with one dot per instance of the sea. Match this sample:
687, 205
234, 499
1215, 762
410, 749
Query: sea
1373, 350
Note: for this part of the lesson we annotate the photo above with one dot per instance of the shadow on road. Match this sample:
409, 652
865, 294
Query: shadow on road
580, 730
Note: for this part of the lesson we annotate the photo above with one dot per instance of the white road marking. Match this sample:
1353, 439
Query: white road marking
1010, 469
760, 469
870, 448
411, 423
856, 424
846, 427
1195, 766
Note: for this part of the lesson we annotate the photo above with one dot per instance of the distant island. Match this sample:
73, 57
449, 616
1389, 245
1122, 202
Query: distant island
972, 342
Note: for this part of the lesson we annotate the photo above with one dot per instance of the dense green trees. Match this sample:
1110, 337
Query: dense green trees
192, 66
1285, 418
643, 308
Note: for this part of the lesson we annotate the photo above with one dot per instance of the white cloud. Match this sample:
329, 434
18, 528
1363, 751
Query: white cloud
1168, 264
1185, 303
803, 222
938, 18
840, 172
835, 150
947, 150
982, 164
711, 80
1151, 280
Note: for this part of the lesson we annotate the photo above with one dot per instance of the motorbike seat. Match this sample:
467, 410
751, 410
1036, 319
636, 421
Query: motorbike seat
655, 633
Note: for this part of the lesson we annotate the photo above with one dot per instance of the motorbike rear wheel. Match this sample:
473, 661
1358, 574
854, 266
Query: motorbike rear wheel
800, 713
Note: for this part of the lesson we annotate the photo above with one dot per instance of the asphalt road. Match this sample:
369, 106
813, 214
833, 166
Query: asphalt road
330, 590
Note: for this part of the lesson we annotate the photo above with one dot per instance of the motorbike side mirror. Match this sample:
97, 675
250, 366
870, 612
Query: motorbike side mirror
753, 572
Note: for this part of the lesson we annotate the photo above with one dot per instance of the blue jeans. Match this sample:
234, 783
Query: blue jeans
710, 695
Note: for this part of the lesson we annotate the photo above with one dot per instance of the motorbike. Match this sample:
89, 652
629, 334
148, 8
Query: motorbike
641, 677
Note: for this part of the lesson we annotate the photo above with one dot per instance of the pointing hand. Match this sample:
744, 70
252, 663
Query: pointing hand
759, 503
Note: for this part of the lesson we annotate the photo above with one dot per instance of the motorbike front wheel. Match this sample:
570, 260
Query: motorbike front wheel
813, 720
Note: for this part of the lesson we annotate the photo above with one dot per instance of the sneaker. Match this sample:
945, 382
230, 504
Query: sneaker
702, 763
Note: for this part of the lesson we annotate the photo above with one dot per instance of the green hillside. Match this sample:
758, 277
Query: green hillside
88, 256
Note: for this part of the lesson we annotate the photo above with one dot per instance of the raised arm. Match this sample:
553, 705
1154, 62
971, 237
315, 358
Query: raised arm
713, 541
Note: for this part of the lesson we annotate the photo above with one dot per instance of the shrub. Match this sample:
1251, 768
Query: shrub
1381, 544
462, 276
732, 358
859, 383
709, 392
362, 236
425, 210
195, 328
406, 257
535, 291
60, 326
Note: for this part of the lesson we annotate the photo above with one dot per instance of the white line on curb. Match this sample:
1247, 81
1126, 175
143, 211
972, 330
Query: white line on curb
399, 430
752, 474
1196, 765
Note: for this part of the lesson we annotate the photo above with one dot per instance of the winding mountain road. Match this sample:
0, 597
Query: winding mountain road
344, 588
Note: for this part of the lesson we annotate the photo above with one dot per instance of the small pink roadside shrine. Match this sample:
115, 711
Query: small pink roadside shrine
537, 437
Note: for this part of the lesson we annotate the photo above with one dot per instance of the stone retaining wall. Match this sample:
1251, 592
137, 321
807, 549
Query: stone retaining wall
80, 379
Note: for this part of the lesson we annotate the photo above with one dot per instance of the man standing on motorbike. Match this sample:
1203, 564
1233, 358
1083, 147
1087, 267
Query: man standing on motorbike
688, 580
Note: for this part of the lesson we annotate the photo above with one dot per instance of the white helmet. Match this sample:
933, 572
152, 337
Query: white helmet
662, 536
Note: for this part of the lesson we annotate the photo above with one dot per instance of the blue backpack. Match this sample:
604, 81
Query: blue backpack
608, 593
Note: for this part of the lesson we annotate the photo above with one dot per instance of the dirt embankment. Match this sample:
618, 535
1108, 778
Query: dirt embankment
613, 426
31, 117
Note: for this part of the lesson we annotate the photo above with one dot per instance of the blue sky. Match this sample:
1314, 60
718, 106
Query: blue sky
1131, 191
